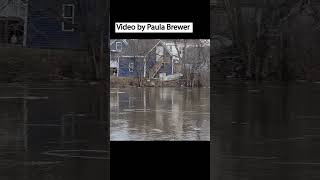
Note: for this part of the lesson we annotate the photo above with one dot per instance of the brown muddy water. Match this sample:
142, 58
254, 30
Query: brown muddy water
53, 132
269, 132
153, 114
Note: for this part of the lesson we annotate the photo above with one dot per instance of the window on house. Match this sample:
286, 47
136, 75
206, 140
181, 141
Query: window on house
181, 51
68, 17
118, 46
131, 66
114, 71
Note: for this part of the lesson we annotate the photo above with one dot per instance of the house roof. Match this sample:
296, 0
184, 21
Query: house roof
141, 47
114, 40
164, 45
138, 47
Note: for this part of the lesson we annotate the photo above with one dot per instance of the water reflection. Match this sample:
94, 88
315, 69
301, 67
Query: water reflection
160, 114
265, 132
53, 132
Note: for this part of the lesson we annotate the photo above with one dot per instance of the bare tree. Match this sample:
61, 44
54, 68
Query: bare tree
95, 25
194, 57
257, 29
138, 56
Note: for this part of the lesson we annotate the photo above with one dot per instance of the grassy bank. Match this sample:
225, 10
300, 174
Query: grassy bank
119, 82
26, 64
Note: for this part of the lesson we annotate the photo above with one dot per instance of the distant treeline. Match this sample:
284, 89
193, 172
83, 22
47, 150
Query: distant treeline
266, 40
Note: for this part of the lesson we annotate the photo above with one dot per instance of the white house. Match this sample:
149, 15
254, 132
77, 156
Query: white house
13, 21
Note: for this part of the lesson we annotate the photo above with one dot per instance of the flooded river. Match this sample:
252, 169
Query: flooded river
160, 114
53, 132
266, 132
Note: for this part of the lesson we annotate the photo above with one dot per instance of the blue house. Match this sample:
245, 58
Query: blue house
140, 58
55, 24
49, 24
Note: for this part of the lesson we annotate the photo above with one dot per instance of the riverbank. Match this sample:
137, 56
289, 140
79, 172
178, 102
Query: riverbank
122, 82
28, 64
